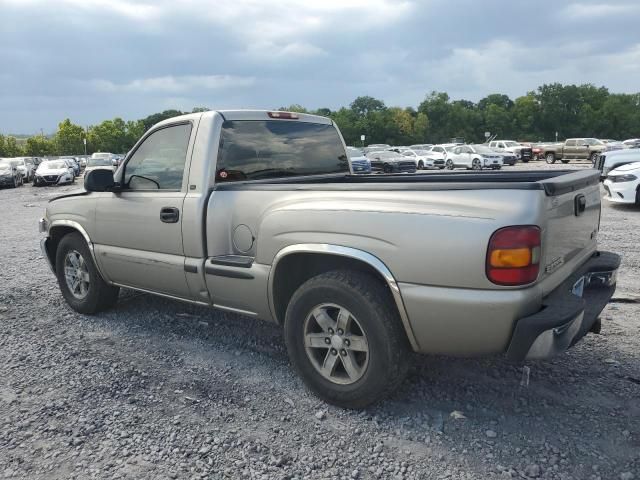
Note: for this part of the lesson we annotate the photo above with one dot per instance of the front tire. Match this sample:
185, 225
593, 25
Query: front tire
550, 158
345, 338
80, 282
420, 165
593, 158
449, 165
476, 164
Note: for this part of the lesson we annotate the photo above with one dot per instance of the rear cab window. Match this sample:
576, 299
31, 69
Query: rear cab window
264, 149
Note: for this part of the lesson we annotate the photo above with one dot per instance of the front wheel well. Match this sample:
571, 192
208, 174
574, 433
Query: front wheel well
55, 235
295, 269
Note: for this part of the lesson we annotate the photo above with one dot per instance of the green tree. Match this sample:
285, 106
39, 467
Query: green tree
362, 106
11, 147
39, 146
151, 120
108, 136
69, 138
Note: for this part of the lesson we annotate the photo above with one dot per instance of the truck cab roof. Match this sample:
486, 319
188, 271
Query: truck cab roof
252, 115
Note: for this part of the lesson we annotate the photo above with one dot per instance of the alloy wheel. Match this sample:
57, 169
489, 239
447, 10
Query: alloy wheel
336, 344
76, 274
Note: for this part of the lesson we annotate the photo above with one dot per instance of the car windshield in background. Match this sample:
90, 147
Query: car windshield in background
99, 162
5, 166
593, 141
354, 152
54, 165
421, 152
483, 149
253, 150
512, 144
15, 163
450, 148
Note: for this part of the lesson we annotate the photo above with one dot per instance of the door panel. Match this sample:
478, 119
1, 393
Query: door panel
138, 235
136, 247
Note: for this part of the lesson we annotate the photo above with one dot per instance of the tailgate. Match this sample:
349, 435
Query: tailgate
572, 204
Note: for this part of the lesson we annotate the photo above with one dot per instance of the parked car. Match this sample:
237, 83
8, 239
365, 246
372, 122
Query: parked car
391, 162
475, 157
10, 175
53, 172
99, 163
375, 147
623, 184
25, 170
73, 164
261, 218
574, 149
521, 152
439, 154
359, 162
421, 158
631, 143
611, 160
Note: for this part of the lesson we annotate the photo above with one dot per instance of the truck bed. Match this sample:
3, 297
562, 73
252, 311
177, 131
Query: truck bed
553, 182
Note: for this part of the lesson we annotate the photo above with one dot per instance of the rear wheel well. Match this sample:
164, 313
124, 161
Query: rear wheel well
295, 269
55, 235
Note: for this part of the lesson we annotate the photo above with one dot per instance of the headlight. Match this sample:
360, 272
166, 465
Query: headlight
622, 178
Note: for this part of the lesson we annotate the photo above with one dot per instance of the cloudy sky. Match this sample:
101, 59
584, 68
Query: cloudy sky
96, 59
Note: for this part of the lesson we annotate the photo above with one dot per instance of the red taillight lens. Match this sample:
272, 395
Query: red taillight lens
285, 115
513, 256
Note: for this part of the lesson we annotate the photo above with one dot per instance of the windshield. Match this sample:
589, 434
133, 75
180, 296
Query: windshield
5, 166
101, 155
483, 149
511, 144
264, 149
53, 165
99, 162
15, 163
354, 152
450, 148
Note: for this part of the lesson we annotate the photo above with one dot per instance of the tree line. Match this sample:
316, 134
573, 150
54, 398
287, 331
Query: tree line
568, 110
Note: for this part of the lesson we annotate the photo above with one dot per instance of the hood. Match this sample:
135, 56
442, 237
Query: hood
52, 171
624, 153
624, 169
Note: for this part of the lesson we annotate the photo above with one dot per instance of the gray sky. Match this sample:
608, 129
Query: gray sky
91, 60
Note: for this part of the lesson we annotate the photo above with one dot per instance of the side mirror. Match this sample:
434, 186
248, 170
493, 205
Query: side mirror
585, 145
100, 180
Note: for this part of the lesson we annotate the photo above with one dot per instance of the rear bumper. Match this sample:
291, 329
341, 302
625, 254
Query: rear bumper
565, 318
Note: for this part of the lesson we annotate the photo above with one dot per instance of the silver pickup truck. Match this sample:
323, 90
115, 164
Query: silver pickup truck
258, 213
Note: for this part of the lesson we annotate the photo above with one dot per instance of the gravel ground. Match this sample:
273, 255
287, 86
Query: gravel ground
159, 389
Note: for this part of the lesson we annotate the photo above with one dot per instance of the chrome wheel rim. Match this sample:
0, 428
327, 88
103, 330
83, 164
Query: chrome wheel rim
476, 165
449, 165
76, 274
336, 344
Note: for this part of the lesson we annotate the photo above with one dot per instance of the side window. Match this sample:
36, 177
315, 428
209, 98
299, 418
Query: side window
158, 164
492, 144
571, 143
500, 145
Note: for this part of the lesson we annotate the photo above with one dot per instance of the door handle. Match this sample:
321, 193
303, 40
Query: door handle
169, 215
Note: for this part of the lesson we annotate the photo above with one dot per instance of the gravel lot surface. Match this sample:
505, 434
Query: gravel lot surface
159, 389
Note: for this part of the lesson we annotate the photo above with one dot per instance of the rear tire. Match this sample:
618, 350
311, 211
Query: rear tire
343, 372
550, 158
93, 294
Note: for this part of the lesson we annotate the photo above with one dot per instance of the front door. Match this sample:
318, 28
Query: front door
138, 237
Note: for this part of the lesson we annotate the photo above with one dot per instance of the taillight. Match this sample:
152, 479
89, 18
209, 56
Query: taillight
285, 115
513, 256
